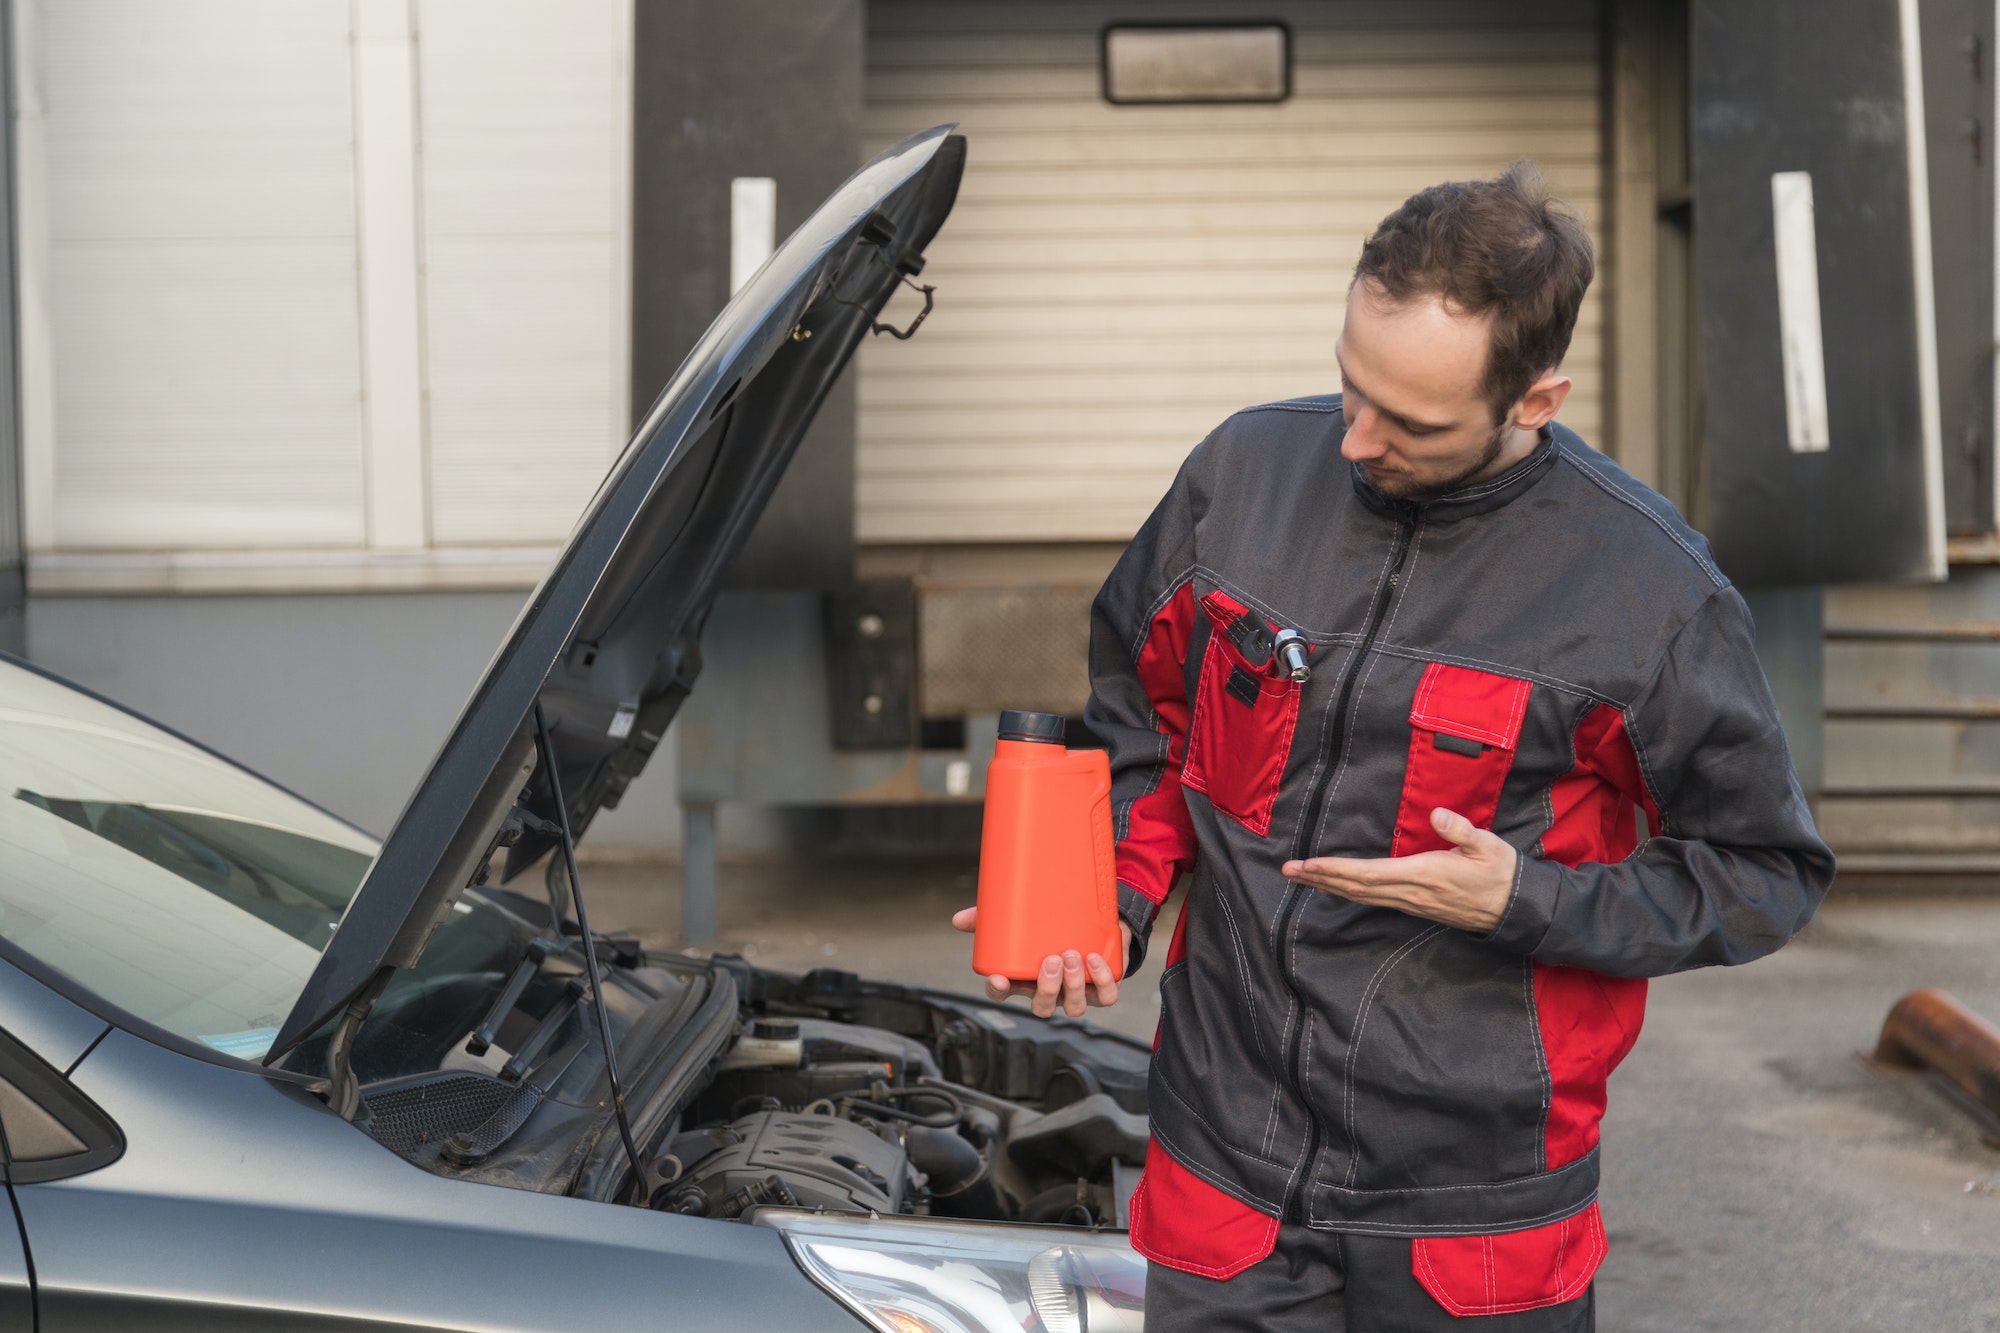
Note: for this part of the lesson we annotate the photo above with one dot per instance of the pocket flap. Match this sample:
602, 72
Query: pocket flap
1253, 640
1479, 706
1182, 1221
1520, 1270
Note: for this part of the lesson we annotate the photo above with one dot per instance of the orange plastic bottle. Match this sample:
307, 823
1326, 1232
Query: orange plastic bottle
1047, 870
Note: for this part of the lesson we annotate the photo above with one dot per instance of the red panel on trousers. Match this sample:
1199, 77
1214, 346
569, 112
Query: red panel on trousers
1244, 714
1182, 1221
1463, 728
1520, 1270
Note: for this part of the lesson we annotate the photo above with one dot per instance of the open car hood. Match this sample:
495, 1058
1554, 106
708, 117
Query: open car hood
610, 641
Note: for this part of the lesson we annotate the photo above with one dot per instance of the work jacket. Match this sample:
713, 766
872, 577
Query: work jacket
1550, 653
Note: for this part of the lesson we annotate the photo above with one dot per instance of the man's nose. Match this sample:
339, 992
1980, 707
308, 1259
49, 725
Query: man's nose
1363, 440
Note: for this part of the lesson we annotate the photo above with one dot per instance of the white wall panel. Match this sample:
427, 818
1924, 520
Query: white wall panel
525, 127
199, 271
1116, 279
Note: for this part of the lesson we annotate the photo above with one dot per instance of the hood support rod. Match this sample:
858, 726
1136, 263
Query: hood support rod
547, 751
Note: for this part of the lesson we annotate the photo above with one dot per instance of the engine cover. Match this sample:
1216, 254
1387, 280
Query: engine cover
821, 1161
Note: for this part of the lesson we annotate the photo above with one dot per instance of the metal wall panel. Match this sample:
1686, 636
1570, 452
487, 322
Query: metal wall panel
755, 88
1116, 279
198, 274
1818, 88
524, 116
1958, 111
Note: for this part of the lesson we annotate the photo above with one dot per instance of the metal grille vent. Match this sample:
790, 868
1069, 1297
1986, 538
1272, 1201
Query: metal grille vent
413, 1120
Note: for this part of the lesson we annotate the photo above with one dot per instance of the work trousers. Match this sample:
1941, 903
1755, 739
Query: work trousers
1329, 1282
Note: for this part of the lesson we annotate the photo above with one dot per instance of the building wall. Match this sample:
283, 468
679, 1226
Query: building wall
327, 334
334, 275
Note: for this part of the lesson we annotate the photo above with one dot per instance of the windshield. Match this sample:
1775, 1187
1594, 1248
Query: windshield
179, 887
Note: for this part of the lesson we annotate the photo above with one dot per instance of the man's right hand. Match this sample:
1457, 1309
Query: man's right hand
1070, 979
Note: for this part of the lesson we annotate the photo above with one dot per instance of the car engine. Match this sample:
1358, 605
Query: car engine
858, 1096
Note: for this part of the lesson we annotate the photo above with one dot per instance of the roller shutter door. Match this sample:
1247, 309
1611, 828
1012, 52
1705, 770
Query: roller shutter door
202, 333
526, 113
1116, 279
204, 322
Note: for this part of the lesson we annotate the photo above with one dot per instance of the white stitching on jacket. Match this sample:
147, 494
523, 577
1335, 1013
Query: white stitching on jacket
1499, 668
1367, 670
1242, 970
1278, 1082
1354, 1043
1603, 483
1221, 1139
1319, 763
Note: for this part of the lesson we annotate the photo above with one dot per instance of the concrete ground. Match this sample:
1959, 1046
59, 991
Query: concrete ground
1759, 1175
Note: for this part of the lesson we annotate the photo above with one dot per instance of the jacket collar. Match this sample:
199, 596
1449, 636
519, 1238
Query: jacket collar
1480, 497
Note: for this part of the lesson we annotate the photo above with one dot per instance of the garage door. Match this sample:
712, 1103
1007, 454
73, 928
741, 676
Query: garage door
1116, 279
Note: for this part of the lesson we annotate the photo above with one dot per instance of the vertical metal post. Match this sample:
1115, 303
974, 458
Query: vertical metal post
698, 876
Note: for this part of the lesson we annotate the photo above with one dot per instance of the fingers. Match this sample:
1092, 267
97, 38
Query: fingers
966, 918
1104, 985
1048, 987
998, 988
1455, 828
1076, 985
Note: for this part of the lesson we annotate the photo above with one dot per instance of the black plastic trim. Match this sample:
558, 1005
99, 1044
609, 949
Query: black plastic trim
40, 1083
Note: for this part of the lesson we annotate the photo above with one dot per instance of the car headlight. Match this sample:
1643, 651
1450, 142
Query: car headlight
910, 1275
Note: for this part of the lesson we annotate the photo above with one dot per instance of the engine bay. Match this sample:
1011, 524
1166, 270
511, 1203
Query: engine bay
856, 1096
757, 1088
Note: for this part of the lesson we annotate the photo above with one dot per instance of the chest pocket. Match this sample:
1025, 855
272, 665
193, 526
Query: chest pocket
1245, 710
1464, 725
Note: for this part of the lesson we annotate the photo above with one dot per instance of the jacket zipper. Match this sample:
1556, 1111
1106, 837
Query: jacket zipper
1315, 808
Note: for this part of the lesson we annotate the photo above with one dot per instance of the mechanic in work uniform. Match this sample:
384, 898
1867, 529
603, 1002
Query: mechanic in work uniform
1535, 762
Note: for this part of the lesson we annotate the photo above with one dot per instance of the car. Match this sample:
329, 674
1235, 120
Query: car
259, 1070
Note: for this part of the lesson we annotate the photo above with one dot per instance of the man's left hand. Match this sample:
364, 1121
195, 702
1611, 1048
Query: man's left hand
1466, 886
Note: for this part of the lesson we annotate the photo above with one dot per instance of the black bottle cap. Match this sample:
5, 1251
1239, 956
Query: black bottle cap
1018, 724
775, 1029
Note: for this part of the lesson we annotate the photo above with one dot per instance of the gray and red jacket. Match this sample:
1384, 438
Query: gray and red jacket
1550, 653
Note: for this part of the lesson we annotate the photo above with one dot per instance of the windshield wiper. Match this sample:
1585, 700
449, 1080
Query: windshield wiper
530, 966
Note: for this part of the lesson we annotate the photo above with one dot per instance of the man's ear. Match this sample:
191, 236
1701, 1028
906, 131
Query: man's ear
1539, 405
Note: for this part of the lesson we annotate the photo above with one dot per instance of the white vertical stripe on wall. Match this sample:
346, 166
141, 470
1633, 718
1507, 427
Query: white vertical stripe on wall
1116, 279
525, 121
385, 151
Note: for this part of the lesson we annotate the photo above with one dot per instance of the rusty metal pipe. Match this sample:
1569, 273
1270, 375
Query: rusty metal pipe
1928, 1029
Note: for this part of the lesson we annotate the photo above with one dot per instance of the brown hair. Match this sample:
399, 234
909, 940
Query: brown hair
1502, 246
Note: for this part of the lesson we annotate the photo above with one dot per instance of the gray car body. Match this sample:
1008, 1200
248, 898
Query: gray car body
241, 1202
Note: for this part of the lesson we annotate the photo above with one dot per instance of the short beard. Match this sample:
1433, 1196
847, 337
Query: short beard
1422, 491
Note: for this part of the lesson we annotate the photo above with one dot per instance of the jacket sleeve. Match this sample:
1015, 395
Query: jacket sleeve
1140, 626
1735, 867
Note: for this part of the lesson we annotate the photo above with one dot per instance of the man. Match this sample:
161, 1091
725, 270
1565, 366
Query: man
1534, 762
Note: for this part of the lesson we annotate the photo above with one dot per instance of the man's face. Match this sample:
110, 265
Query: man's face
1417, 421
